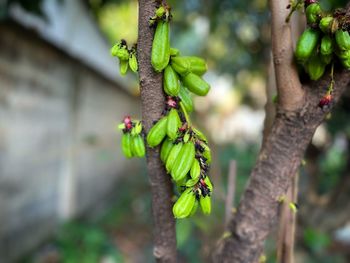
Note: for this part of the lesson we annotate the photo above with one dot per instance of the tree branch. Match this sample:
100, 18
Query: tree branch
278, 162
290, 92
152, 98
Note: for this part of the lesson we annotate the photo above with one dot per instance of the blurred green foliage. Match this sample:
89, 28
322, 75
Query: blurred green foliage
316, 240
80, 242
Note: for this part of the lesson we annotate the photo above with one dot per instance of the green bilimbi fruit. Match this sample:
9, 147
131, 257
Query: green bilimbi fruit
344, 55
186, 99
326, 59
326, 24
306, 44
326, 45
174, 123
313, 13
123, 66
183, 162
315, 68
342, 39
161, 47
184, 205
346, 63
133, 62
174, 51
206, 153
191, 182
205, 203
181, 65
120, 51
126, 145
209, 184
180, 184
171, 81
196, 84
157, 132
198, 65
200, 135
160, 11
173, 156
138, 146
195, 171
165, 150
194, 208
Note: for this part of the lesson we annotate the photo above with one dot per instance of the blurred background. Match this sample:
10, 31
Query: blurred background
66, 192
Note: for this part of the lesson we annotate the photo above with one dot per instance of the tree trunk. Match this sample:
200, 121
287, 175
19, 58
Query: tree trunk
153, 102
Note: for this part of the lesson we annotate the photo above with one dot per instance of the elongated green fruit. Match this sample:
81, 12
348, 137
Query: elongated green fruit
183, 162
123, 66
206, 153
313, 13
200, 135
195, 171
326, 45
344, 55
173, 156
138, 146
184, 205
174, 51
171, 81
191, 182
133, 62
157, 132
173, 124
346, 63
161, 47
315, 68
205, 203
196, 84
160, 11
198, 65
186, 99
165, 150
326, 24
209, 184
126, 145
181, 65
343, 39
194, 208
306, 44
326, 59
120, 51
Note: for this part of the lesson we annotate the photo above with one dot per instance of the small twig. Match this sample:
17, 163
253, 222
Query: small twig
231, 187
287, 225
188, 119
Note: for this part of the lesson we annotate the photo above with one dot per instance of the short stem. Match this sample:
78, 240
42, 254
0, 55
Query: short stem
188, 120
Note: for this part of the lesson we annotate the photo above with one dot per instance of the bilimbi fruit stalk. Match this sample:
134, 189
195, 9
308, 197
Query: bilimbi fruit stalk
184, 149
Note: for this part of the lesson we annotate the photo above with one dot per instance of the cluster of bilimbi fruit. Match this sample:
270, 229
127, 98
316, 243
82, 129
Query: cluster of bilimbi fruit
326, 38
184, 149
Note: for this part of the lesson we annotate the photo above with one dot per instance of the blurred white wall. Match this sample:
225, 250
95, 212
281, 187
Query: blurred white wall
59, 151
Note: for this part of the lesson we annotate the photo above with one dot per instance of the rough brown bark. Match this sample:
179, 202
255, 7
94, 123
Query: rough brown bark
152, 98
277, 163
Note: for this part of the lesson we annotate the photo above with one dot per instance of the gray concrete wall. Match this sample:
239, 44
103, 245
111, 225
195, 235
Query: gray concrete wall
59, 151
